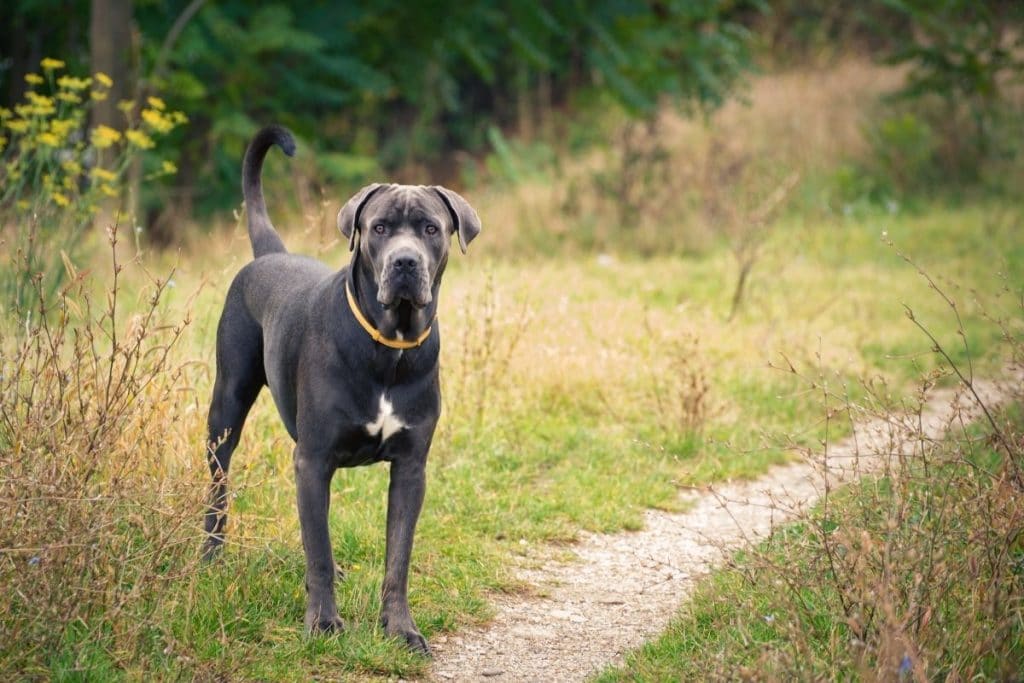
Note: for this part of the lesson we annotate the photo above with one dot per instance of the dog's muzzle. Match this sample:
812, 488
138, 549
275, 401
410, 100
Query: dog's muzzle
404, 278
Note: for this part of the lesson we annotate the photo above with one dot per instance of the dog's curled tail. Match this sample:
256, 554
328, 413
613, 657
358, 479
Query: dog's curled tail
264, 238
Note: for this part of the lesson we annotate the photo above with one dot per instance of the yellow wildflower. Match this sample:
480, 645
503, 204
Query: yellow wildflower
48, 140
36, 98
157, 120
139, 139
18, 125
103, 174
5, 113
49, 64
126, 106
72, 83
98, 95
103, 79
168, 167
178, 117
60, 199
156, 103
41, 105
61, 127
71, 166
108, 190
22, 204
71, 97
104, 136
34, 79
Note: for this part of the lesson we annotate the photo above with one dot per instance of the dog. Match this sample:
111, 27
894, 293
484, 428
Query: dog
351, 359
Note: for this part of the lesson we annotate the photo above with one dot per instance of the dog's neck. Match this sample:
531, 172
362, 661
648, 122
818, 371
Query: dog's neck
402, 322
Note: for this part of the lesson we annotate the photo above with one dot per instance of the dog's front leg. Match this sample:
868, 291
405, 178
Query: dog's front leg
405, 498
313, 474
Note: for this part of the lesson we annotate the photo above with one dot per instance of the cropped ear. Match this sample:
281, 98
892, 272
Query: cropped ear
467, 223
348, 217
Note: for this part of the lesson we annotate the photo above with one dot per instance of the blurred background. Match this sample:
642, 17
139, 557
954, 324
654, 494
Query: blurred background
904, 98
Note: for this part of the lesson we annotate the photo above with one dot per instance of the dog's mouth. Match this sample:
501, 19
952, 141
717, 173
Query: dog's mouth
398, 302
414, 297
409, 289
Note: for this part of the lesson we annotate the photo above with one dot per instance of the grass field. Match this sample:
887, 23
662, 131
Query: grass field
580, 387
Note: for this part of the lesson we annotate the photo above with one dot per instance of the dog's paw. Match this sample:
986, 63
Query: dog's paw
417, 643
317, 624
409, 634
212, 548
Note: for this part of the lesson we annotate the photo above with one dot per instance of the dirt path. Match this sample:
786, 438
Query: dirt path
625, 587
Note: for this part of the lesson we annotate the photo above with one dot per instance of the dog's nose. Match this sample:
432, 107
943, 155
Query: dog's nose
404, 263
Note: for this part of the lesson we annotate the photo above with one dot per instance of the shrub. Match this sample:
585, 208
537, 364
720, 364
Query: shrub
93, 525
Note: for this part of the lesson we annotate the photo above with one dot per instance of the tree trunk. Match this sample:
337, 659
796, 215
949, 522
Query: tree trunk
110, 47
524, 108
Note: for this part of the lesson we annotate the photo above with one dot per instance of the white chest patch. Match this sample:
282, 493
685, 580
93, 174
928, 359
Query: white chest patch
387, 423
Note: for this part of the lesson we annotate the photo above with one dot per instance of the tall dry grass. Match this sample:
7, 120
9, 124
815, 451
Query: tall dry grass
99, 507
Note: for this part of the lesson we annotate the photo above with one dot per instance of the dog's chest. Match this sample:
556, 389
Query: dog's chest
387, 422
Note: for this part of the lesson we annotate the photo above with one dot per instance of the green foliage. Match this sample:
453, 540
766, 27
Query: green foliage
969, 56
512, 161
960, 49
410, 84
795, 31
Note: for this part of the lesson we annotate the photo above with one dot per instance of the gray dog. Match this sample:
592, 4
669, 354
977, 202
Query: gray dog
351, 359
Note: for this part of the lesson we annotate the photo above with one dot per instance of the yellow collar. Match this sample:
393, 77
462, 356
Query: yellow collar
375, 333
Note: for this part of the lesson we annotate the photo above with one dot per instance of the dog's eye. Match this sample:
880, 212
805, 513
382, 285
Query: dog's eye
431, 229
379, 229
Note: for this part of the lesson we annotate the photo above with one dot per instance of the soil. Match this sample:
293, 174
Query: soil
583, 615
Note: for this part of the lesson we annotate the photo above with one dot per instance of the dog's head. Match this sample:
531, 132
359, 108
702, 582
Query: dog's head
403, 232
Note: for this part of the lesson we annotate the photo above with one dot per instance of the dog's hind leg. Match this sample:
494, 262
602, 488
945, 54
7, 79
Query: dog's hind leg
240, 376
